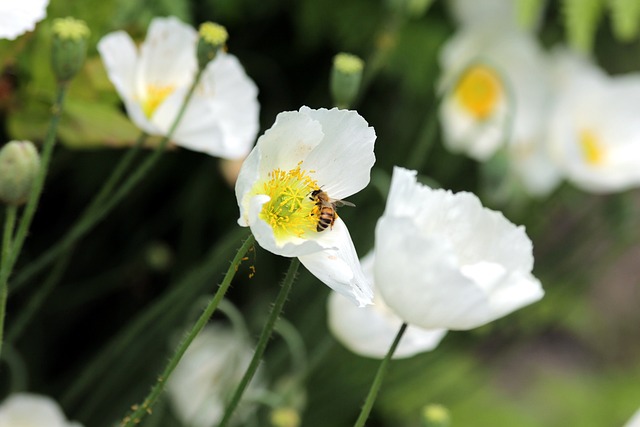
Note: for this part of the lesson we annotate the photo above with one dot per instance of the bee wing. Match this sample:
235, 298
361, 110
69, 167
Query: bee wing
340, 203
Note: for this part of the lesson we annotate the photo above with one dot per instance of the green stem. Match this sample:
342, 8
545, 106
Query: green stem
93, 216
377, 381
262, 341
145, 408
36, 190
7, 243
426, 139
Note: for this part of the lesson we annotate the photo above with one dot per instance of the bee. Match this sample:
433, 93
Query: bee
326, 208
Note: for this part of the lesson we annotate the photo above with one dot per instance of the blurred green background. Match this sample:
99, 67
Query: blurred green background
131, 287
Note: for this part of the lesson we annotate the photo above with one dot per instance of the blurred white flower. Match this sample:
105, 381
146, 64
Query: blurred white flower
207, 376
634, 421
469, 13
305, 151
594, 132
369, 331
18, 17
445, 261
32, 410
222, 116
496, 90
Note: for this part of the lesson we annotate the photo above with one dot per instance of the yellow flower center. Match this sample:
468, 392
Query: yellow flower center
155, 96
592, 148
478, 91
291, 211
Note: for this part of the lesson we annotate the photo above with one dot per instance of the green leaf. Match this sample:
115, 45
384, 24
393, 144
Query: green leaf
528, 12
581, 21
625, 17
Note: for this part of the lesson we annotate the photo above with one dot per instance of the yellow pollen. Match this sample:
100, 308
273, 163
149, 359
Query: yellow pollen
155, 96
290, 212
479, 90
592, 148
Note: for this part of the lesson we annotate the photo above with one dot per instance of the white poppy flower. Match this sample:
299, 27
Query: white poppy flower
208, 374
18, 17
445, 261
594, 131
497, 90
32, 410
305, 151
369, 331
222, 116
634, 421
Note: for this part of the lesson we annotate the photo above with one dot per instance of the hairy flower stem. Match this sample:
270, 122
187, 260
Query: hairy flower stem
143, 409
7, 237
377, 381
98, 210
13, 252
265, 335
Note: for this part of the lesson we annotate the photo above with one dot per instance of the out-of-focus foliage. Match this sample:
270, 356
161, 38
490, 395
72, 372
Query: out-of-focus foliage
106, 331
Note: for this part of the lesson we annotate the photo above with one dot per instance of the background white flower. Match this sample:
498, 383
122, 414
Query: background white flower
18, 17
596, 148
304, 151
370, 331
207, 375
32, 410
445, 261
222, 116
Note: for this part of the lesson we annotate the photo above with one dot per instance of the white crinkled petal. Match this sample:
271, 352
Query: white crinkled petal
337, 266
370, 331
168, 54
32, 410
293, 247
444, 261
247, 178
344, 160
18, 17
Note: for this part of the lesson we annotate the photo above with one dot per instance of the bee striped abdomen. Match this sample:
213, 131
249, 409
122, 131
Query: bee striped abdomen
326, 218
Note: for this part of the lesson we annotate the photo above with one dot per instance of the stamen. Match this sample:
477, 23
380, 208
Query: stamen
592, 148
155, 96
478, 91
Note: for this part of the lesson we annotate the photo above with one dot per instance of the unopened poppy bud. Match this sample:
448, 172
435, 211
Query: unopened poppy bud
69, 47
346, 77
285, 417
212, 38
435, 415
19, 165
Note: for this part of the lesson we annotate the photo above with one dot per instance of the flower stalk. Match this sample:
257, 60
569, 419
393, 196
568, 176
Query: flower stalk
262, 341
145, 408
377, 380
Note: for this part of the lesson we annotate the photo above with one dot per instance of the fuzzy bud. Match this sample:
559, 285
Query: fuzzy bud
285, 417
212, 38
69, 47
435, 415
19, 165
346, 76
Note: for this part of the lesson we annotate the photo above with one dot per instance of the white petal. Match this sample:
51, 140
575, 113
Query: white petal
344, 160
444, 261
32, 410
634, 421
18, 17
288, 142
337, 266
246, 179
168, 56
293, 247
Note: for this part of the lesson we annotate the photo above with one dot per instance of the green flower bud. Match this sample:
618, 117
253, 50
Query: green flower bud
346, 77
435, 415
285, 417
212, 38
19, 166
69, 47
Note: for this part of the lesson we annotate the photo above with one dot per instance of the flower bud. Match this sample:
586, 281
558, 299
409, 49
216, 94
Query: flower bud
285, 417
346, 77
212, 38
69, 47
19, 165
435, 415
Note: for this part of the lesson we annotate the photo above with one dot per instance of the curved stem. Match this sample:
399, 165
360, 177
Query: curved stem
141, 410
7, 242
262, 341
93, 216
377, 381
